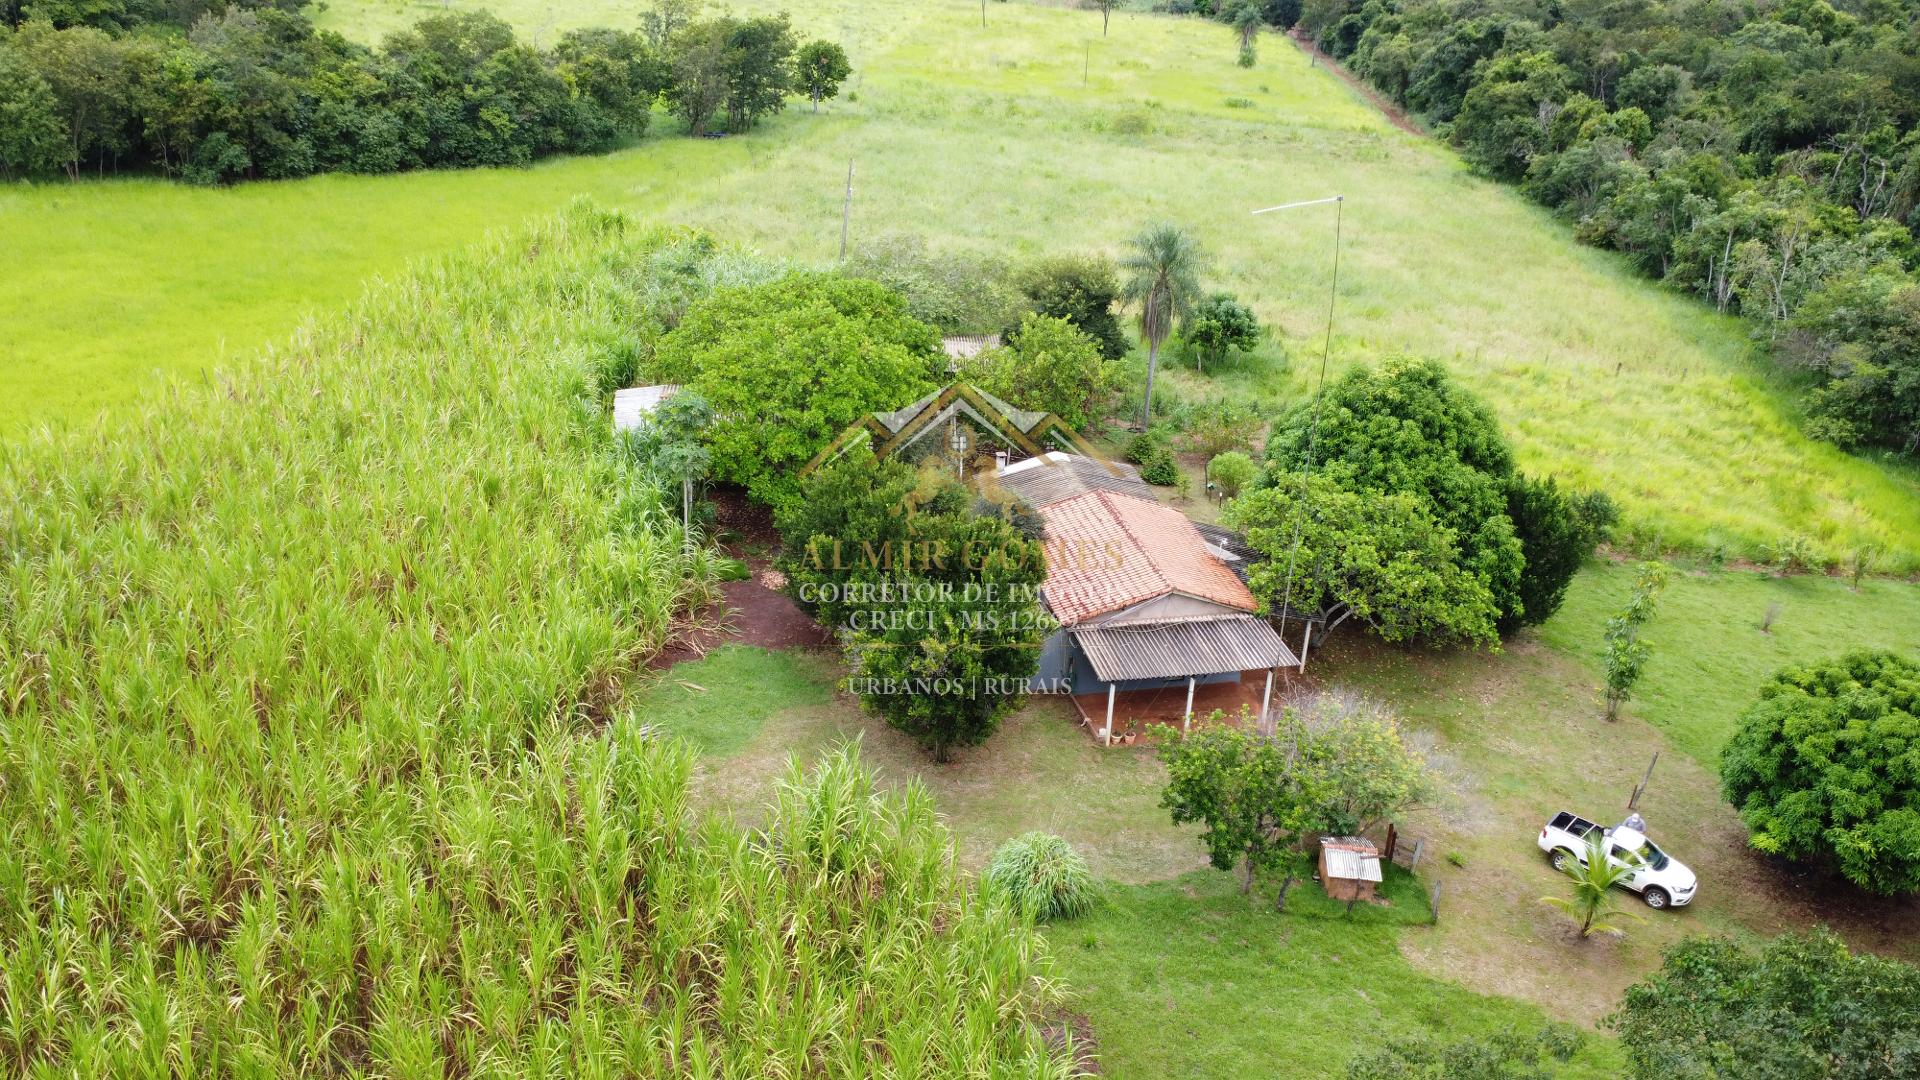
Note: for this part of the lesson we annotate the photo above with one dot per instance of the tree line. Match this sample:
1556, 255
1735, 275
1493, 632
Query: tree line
1762, 157
243, 91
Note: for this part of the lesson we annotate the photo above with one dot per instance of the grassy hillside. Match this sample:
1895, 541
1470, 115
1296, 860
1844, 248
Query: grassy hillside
314, 754
1031, 135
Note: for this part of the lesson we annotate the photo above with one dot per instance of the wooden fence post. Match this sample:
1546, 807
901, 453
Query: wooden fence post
1418, 847
1433, 900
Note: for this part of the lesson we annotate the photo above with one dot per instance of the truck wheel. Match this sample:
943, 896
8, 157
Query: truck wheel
1655, 896
1562, 859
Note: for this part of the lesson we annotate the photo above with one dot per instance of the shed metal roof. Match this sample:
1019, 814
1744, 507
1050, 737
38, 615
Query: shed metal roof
1354, 860
632, 406
1177, 650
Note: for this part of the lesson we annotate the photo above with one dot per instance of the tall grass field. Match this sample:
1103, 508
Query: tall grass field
1034, 134
316, 759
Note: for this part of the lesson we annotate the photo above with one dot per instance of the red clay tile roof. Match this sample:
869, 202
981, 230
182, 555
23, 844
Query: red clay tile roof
1107, 551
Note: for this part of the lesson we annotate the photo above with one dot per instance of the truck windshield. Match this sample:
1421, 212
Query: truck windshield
1652, 856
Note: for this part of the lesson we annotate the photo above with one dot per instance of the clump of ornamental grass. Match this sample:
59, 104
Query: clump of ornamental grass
315, 757
1043, 877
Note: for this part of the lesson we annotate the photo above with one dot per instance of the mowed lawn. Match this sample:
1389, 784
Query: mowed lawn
1032, 135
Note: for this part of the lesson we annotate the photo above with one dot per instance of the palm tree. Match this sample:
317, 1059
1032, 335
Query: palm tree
1593, 882
1163, 277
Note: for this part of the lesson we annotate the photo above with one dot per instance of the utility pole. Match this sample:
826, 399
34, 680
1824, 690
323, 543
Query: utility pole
846, 211
1086, 63
983, 14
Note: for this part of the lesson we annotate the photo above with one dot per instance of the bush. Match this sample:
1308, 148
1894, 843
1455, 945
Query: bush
1232, 471
954, 292
1080, 289
1044, 876
1216, 427
1826, 767
1802, 1004
1507, 1053
1145, 445
1050, 366
1161, 468
1217, 327
1558, 532
791, 364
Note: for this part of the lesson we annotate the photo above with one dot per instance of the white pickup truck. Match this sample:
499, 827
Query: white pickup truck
1660, 879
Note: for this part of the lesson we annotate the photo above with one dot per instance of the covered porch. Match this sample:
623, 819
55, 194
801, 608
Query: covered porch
1172, 672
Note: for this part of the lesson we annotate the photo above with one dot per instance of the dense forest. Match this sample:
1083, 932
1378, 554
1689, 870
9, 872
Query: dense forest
1763, 156
224, 92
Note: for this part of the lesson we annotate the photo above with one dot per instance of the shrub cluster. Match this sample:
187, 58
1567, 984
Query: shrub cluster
1044, 877
1763, 157
256, 92
1826, 767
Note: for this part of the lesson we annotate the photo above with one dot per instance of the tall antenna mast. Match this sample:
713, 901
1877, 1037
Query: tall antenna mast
1313, 424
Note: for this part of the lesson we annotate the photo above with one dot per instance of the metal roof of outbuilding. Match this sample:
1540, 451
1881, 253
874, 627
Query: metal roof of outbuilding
1176, 650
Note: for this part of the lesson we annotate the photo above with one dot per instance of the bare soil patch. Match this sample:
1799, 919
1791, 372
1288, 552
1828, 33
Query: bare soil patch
1395, 115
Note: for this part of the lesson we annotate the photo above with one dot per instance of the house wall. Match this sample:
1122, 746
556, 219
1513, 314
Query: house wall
1056, 664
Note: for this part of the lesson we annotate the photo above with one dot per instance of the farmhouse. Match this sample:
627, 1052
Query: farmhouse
1155, 622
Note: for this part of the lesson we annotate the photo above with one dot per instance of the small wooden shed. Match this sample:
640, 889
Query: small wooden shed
1349, 867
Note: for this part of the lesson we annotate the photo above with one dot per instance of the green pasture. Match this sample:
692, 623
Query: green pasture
1032, 135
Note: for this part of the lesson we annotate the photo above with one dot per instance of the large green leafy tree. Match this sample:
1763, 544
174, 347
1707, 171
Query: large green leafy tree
1050, 365
1081, 289
759, 69
32, 137
819, 69
1382, 557
1826, 766
1235, 784
1800, 1008
790, 364
1405, 428
850, 520
1218, 326
1558, 531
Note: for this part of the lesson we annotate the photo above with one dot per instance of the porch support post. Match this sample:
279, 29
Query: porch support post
1266, 700
1187, 720
1112, 688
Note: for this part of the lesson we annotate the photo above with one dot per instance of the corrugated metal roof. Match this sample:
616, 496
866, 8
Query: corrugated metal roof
1353, 865
1057, 476
632, 406
1176, 650
1107, 551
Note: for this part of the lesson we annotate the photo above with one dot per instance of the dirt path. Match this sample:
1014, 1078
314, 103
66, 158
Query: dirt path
1395, 115
751, 612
